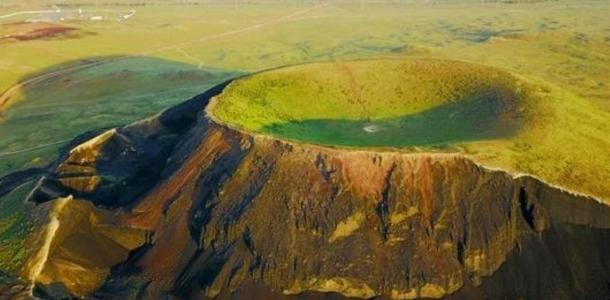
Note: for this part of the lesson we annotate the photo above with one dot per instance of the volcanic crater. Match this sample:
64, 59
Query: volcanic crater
275, 190
379, 104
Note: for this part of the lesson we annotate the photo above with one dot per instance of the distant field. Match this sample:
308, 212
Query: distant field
64, 78
107, 95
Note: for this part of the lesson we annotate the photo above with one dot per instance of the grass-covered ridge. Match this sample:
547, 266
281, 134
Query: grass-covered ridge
383, 103
520, 124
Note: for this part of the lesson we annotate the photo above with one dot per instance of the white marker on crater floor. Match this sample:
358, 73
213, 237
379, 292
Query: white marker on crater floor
371, 128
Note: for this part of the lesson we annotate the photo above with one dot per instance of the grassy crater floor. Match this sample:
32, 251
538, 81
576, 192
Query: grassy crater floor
498, 118
377, 103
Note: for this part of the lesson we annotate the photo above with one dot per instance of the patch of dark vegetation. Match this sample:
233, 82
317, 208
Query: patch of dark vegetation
187, 75
549, 25
11, 181
10, 285
51, 291
475, 34
580, 38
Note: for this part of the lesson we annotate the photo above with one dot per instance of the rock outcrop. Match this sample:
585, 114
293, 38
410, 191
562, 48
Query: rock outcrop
182, 207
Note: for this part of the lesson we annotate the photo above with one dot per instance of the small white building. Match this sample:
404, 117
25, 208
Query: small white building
128, 15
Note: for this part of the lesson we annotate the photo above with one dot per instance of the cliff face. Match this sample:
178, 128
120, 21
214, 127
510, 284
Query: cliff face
179, 205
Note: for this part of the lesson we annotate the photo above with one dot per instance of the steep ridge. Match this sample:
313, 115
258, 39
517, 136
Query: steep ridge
183, 207
78, 246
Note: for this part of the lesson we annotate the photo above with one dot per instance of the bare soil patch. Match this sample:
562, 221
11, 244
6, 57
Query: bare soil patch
23, 31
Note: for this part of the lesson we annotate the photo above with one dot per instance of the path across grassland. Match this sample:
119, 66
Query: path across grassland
37, 147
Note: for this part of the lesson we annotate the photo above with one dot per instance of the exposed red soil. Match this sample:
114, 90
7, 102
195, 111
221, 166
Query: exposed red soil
42, 33
149, 212
425, 189
26, 31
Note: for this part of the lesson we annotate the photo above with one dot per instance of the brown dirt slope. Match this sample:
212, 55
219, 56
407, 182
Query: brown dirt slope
230, 214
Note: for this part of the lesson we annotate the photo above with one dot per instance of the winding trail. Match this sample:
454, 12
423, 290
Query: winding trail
6, 96
37, 147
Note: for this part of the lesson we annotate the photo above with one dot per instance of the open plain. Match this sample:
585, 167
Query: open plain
453, 143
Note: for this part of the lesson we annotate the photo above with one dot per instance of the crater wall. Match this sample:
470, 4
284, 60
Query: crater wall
224, 213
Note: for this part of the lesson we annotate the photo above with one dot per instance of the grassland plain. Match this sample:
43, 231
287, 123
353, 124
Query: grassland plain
561, 45
567, 51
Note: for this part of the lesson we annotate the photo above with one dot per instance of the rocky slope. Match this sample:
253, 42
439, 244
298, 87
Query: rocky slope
178, 206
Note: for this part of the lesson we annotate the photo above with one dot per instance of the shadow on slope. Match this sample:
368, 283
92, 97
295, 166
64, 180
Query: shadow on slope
480, 117
41, 126
93, 93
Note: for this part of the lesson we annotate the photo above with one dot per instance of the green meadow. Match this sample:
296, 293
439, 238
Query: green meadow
377, 91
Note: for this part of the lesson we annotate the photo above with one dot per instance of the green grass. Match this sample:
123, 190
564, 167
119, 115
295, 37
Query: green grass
362, 91
14, 228
108, 95
499, 119
563, 42
438, 127
563, 46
